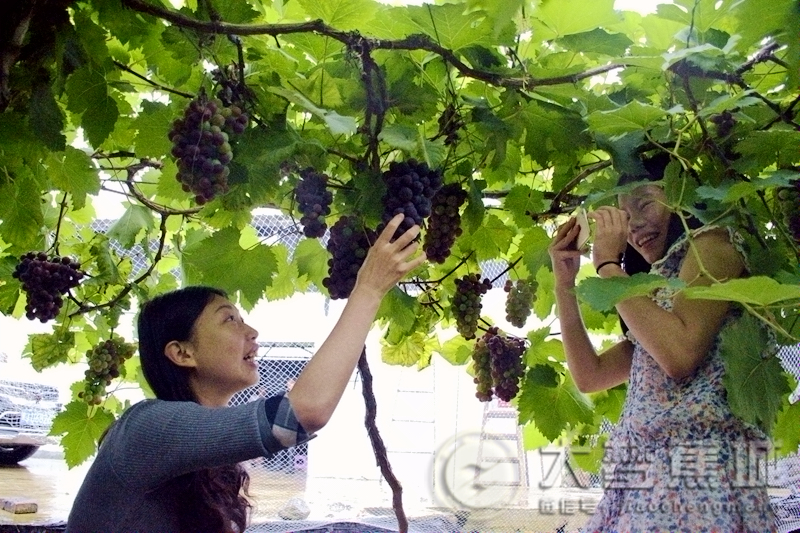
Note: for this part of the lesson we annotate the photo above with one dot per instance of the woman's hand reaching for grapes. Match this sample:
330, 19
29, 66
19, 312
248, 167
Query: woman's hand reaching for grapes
389, 261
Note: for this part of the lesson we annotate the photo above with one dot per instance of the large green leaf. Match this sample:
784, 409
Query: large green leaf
556, 18
604, 294
451, 25
48, 349
81, 427
754, 378
72, 171
629, 118
212, 260
756, 290
553, 409
341, 14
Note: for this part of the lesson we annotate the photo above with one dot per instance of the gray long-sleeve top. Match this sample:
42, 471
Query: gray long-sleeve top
128, 487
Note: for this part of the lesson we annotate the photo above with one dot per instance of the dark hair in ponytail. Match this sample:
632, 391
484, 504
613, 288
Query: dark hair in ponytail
633, 262
210, 499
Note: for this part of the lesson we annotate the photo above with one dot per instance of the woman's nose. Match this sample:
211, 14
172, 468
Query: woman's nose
252, 332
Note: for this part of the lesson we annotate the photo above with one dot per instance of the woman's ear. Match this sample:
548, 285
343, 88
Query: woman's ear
179, 354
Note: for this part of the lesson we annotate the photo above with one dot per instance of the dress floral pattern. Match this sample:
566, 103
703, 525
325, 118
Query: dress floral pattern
679, 460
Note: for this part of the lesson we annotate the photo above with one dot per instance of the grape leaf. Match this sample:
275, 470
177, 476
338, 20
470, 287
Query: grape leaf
312, 260
456, 351
756, 290
72, 171
555, 18
451, 25
48, 349
491, 239
629, 118
82, 427
21, 212
523, 201
341, 14
553, 409
282, 284
786, 434
135, 219
414, 349
399, 309
152, 126
211, 261
603, 294
47, 119
754, 377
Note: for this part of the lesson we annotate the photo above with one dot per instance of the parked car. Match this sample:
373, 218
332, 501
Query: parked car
27, 410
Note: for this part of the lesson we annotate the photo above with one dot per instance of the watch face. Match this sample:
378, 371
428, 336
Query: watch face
585, 232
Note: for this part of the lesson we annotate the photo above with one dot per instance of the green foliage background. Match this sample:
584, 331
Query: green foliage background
537, 97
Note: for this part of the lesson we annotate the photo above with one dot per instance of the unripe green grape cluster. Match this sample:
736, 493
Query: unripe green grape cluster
105, 361
466, 303
519, 300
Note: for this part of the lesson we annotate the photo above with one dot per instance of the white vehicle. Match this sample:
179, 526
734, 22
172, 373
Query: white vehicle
27, 409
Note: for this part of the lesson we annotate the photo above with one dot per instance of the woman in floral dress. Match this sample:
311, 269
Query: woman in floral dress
678, 460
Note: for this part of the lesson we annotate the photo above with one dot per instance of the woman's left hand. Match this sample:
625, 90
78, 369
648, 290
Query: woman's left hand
610, 234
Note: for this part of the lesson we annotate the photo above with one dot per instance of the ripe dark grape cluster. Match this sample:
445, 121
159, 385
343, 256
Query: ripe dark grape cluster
506, 362
444, 224
467, 303
497, 362
45, 280
314, 201
410, 185
201, 143
519, 301
482, 365
789, 198
724, 122
105, 360
348, 245
450, 122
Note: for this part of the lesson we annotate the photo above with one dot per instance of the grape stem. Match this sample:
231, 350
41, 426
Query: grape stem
377, 442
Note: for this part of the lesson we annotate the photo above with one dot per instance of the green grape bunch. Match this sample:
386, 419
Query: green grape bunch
482, 365
201, 144
519, 301
466, 303
105, 360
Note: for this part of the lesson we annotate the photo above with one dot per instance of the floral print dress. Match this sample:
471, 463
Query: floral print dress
679, 460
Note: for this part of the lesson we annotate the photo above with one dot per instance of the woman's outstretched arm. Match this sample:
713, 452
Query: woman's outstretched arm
323, 380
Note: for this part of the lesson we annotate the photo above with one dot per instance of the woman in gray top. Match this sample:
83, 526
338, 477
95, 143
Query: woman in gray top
171, 464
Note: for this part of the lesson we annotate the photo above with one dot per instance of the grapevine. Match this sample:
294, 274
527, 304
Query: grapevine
444, 224
481, 363
105, 362
348, 245
201, 143
467, 303
410, 185
45, 281
314, 201
789, 198
506, 363
519, 301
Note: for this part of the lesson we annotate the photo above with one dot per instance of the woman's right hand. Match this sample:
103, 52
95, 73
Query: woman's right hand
565, 256
388, 261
